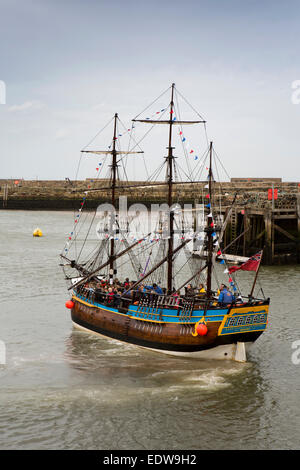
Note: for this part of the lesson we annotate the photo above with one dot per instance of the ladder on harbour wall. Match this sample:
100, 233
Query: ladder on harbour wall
233, 223
5, 195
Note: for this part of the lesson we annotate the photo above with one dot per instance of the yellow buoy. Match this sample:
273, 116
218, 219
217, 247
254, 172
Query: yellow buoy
37, 232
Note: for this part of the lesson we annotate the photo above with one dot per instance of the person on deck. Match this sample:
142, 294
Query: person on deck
138, 294
128, 293
117, 298
157, 289
219, 290
189, 291
201, 288
176, 294
225, 297
110, 296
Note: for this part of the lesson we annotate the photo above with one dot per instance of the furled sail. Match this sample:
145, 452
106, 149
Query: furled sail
107, 152
169, 121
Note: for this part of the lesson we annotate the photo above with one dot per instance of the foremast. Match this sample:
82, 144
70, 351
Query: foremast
113, 187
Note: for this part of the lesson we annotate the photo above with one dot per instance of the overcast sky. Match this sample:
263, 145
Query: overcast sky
69, 65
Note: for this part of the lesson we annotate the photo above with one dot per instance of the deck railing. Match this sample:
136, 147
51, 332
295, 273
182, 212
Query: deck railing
185, 304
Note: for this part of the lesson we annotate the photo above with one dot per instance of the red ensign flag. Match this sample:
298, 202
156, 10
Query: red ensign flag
251, 264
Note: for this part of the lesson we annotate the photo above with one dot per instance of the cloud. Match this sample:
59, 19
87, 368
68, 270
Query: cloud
27, 105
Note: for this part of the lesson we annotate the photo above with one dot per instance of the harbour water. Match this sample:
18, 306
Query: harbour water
65, 389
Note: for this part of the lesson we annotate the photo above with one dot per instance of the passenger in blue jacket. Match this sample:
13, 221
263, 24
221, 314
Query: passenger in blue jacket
225, 297
155, 287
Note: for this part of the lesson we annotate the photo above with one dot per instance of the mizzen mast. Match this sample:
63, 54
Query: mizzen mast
209, 228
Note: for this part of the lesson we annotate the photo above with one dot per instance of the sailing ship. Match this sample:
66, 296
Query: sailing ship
168, 315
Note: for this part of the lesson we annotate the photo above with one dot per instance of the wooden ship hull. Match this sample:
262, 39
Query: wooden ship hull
173, 329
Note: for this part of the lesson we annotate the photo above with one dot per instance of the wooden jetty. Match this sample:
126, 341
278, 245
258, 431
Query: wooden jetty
269, 220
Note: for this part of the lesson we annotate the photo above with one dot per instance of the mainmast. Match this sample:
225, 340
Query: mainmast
209, 228
169, 180
170, 159
114, 167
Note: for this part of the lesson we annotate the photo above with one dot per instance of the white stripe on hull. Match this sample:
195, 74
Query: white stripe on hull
226, 351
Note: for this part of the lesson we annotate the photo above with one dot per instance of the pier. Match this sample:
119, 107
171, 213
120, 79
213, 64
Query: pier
266, 213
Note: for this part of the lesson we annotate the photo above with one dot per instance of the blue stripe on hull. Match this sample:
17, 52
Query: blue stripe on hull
172, 315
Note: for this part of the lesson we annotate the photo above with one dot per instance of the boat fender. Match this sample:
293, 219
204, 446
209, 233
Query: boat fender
69, 304
200, 328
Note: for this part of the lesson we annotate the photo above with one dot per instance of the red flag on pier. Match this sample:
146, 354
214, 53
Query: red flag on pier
252, 264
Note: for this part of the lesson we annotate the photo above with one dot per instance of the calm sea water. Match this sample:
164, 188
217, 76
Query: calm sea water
65, 389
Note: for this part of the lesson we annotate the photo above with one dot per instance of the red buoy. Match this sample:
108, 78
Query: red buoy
69, 304
201, 329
